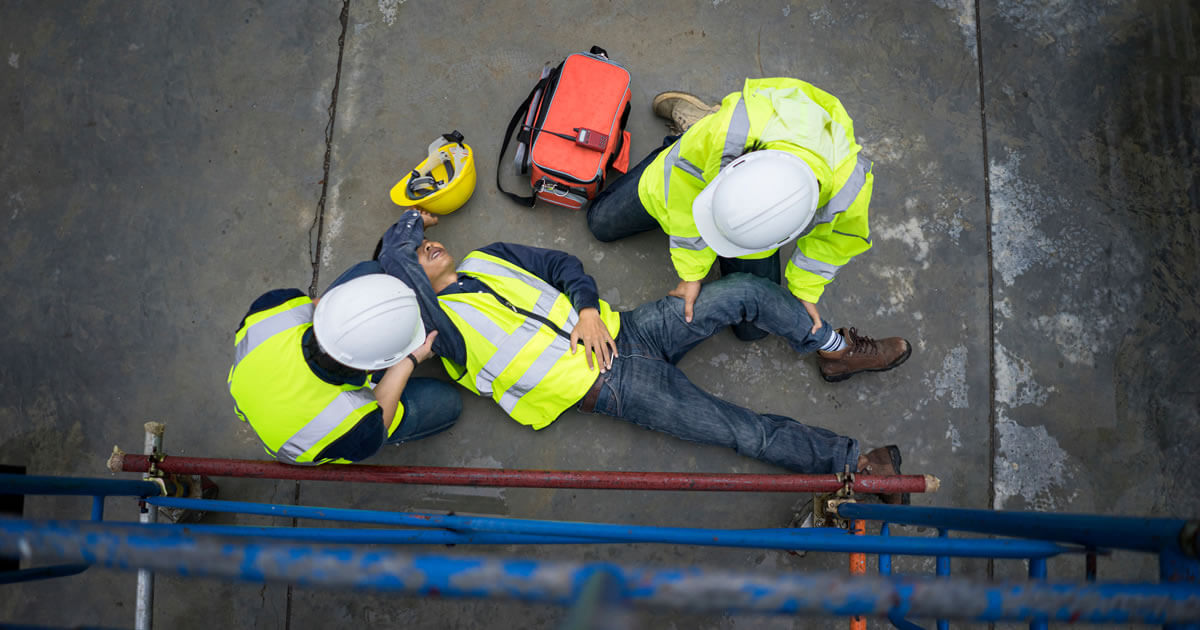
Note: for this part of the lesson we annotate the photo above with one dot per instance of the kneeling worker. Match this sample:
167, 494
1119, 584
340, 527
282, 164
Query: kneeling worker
775, 162
510, 319
332, 383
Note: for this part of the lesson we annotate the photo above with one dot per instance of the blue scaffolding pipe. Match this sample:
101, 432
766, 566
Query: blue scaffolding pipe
562, 582
76, 486
885, 559
818, 539
1037, 571
334, 535
942, 568
1113, 532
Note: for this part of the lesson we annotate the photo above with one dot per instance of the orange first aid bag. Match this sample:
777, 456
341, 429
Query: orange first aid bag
572, 130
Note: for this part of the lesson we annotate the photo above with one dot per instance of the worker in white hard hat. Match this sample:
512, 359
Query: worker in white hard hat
526, 327
775, 162
330, 380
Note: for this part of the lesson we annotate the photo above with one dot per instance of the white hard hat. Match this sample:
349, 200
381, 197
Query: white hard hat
370, 322
758, 202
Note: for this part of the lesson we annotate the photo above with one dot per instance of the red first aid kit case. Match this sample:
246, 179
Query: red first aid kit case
572, 130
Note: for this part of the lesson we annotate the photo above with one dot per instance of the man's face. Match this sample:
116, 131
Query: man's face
434, 258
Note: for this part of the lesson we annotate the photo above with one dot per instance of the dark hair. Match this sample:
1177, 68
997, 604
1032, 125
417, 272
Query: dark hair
314, 355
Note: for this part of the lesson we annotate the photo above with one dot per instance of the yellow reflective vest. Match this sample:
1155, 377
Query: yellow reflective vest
518, 341
788, 115
293, 411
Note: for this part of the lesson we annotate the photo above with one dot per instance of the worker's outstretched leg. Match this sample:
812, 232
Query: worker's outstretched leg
652, 393
659, 327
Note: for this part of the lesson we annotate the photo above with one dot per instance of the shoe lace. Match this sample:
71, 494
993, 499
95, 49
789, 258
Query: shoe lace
861, 344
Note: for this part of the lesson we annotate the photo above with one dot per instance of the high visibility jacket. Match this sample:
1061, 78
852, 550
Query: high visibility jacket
788, 115
518, 341
293, 411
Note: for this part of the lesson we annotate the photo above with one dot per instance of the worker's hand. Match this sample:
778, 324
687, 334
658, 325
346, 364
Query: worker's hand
426, 349
596, 340
428, 219
689, 290
814, 314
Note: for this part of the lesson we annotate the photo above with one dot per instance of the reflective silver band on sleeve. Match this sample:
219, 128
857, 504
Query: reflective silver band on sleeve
694, 243
845, 196
811, 265
689, 168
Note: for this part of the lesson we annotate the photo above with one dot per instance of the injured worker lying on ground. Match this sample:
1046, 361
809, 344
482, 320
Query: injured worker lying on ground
511, 320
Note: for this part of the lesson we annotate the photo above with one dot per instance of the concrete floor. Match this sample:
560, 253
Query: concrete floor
1035, 223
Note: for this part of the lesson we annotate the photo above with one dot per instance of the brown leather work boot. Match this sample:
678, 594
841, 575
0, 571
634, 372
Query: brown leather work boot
862, 354
884, 461
682, 109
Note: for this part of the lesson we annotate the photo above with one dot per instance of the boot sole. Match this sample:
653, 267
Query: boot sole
690, 98
837, 378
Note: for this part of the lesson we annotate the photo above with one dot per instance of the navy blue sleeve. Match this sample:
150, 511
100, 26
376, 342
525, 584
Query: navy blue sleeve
359, 443
270, 299
364, 268
398, 257
559, 269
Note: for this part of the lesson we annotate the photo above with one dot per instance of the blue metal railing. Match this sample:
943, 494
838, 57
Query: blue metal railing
298, 555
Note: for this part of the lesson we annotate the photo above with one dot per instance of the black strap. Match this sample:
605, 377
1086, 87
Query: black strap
512, 125
620, 137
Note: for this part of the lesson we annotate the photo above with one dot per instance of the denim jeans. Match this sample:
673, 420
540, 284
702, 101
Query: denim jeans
617, 212
430, 406
646, 388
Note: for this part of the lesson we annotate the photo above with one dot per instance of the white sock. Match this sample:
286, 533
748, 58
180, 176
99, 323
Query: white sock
835, 343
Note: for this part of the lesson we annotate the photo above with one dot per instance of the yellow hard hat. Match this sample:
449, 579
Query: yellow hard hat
443, 181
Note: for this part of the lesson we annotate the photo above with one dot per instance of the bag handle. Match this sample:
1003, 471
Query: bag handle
512, 125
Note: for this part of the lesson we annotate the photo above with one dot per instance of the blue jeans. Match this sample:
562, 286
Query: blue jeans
646, 388
617, 212
430, 406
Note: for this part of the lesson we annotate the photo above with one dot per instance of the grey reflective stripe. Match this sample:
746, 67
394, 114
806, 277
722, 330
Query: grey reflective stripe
269, 327
737, 134
689, 168
845, 197
507, 349
534, 374
823, 269
694, 243
548, 293
669, 166
507, 346
330, 417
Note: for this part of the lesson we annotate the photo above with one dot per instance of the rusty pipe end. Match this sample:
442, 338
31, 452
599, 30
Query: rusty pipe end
155, 428
116, 461
932, 484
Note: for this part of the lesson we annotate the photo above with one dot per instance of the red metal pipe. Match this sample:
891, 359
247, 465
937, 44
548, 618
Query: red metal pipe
595, 480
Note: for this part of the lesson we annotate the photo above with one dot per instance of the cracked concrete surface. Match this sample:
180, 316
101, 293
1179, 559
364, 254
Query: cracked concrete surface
1035, 226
